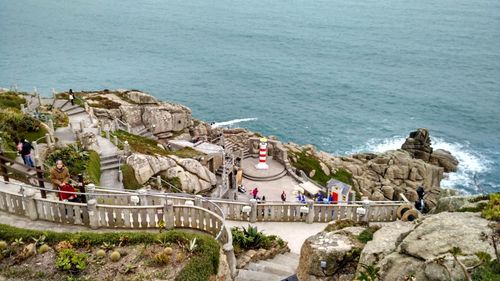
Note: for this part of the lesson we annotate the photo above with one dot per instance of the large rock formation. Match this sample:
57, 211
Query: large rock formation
410, 249
383, 176
339, 249
139, 109
418, 144
194, 177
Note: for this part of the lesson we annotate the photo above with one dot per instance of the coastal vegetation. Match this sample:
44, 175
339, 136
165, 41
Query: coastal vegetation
308, 163
148, 146
107, 256
129, 180
250, 238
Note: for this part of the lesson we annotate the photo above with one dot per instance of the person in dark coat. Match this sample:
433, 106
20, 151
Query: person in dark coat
71, 97
26, 153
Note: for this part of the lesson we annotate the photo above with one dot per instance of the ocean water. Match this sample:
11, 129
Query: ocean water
346, 76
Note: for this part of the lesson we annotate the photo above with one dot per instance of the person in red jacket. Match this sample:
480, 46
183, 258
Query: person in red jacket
67, 196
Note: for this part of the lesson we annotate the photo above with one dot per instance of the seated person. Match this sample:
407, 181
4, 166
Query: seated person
59, 176
67, 196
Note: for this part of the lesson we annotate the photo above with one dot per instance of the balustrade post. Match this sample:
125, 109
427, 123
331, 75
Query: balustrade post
36, 151
99, 130
48, 140
90, 191
93, 216
53, 93
41, 184
108, 136
168, 217
367, 207
143, 197
198, 201
120, 175
82, 125
82, 187
115, 124
129, 129
29, 202
115, 140
126, 147
310, 215
253, 213
3, 168
158, 181
51, 125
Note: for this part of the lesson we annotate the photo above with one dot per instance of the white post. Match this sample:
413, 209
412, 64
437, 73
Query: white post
253, 213
29, 200
93, 216
126, 147
310, 214
53, 93
168, 214
143, 195
90, 191
158, 181
115, 140
48, 140
51, 125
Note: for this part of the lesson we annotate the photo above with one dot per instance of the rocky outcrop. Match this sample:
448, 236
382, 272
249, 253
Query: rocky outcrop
140, 109
455, 203
410, 249
339, 249
194, 177
384, 176
418, 144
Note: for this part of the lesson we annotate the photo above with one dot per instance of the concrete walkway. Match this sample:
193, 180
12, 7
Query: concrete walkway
295, 233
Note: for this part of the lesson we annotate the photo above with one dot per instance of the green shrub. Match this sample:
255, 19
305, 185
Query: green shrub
74, 157
129, 180
250, 238
3, 245
93, 169
69, 260
488, 270
479, 208
103, 102
492, 209
308, 163
367, 234
11, 99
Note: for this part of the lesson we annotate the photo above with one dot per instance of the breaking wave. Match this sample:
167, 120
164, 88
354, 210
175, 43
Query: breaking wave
471, 164
231, 123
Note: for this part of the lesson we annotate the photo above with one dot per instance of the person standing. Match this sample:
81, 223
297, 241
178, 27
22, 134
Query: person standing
26, 153
19, 147
71, 97
283, 196
255, 191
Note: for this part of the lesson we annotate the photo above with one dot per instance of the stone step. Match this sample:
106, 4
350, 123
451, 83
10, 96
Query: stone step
46, 101
289, 259
108, 157
70, 109
250, 275
109, 161
269, 178
110, 167
140, 131
269, 266
68, 106
59, 103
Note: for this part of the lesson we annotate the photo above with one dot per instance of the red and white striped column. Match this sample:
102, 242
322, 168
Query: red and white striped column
262, 165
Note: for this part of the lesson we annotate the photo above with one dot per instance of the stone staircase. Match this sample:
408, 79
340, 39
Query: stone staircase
281, 267
109, 162
66, 107
144, 132
235, 148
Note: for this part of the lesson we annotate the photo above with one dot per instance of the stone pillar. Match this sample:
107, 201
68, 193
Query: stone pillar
82, 125
36, 151
158, 181
54, 93
90, 188
30, 204
367, 207
129, 129
120, 175
198, 201
93, 216
108, 136
99, 130
51, 125
310, 215
126, 148
48, 140
143, 197
115, 140
253, 213
23, 109
168, 211
231, 258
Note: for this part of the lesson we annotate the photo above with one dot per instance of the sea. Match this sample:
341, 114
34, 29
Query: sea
346, 76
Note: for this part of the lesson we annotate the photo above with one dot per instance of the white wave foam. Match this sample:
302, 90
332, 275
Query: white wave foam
231, 122
470, 162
